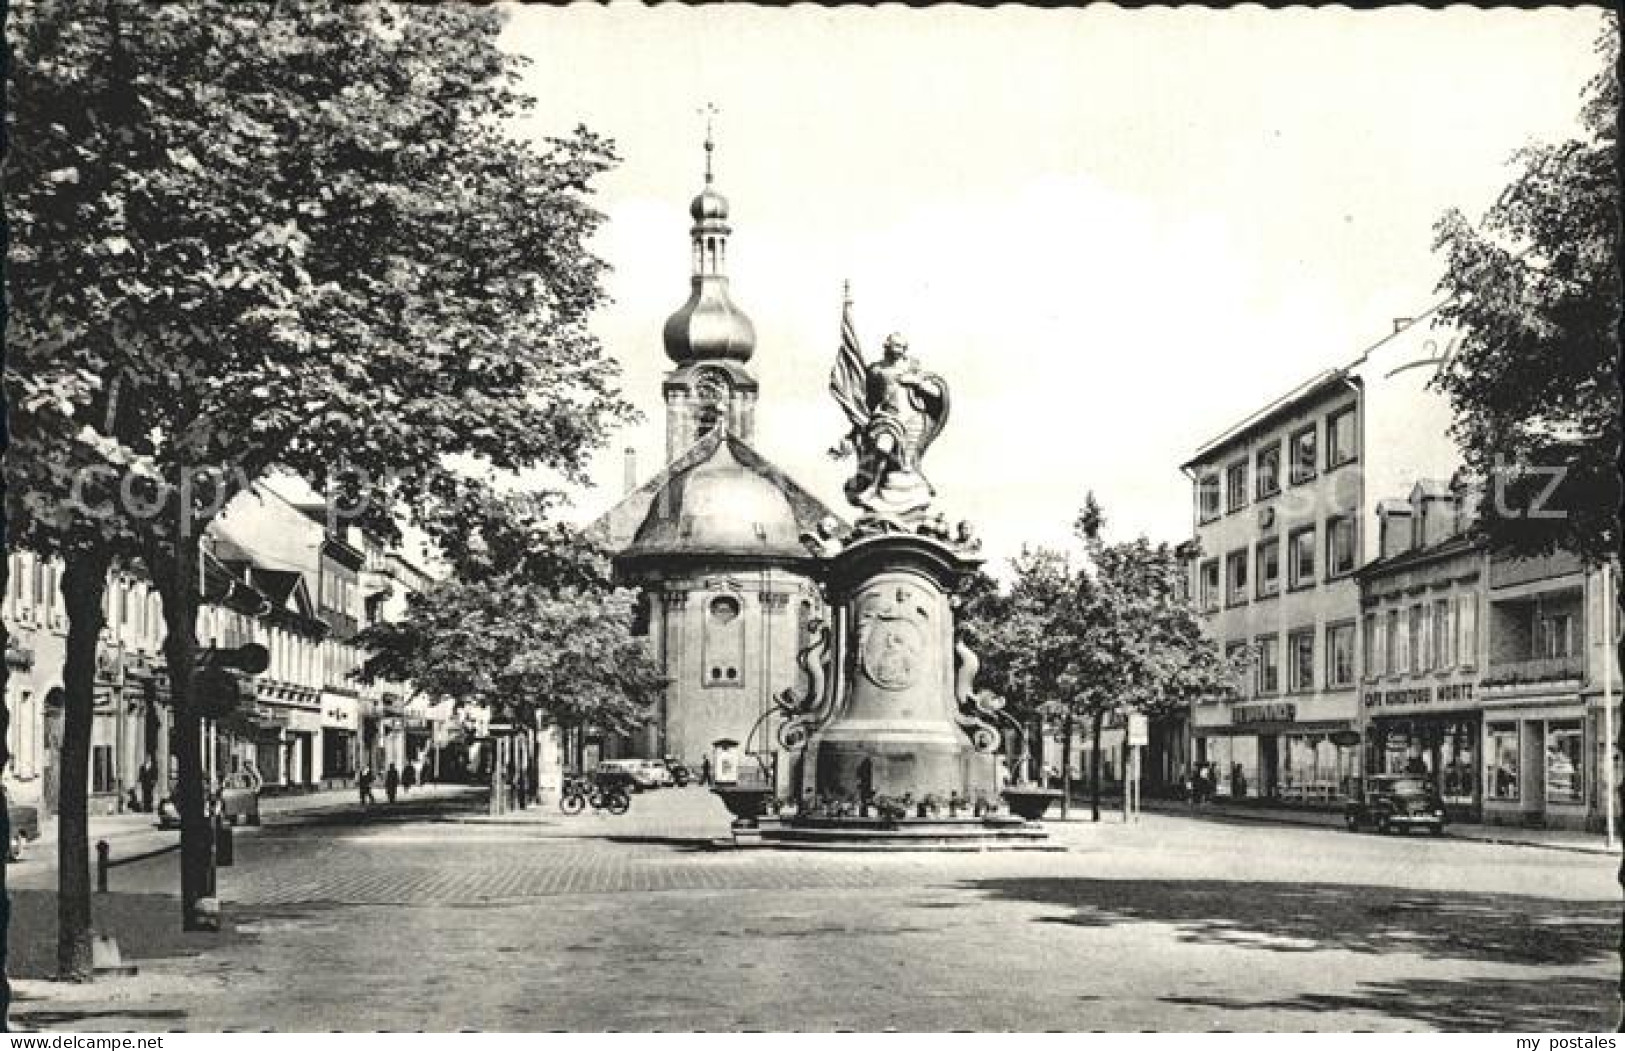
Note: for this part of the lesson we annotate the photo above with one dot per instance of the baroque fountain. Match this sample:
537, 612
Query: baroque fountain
892, 746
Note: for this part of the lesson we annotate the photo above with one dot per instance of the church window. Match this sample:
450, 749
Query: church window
724, 642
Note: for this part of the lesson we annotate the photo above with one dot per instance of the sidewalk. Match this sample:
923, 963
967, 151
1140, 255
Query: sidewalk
1545, 838
115, 827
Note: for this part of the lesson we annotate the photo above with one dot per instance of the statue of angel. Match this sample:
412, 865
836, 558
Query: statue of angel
896, 409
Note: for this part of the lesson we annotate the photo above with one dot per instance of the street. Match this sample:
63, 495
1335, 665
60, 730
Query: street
430, 915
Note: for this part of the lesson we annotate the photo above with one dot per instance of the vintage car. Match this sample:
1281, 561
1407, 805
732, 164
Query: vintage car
1396, 803
629, 774
240, 797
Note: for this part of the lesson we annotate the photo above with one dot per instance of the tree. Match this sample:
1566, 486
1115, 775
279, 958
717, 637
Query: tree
1083, 643
297, 238
1534, 293
529, 627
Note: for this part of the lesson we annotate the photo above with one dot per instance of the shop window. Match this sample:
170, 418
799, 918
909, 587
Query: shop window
1268, 679
1207, 498
1301, 557
1339, 546
1235, 573
1207, 589
1235, 486
1458, 765
102, 781
1339, 655
1340, 438
1501, 769
1267, 470
1303, 455
1565, 763
1269, 568
1300, 660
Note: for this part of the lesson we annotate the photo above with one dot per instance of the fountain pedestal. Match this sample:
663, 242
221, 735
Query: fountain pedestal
893, 726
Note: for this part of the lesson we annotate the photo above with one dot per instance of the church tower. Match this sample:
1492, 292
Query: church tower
709, 339
714, 539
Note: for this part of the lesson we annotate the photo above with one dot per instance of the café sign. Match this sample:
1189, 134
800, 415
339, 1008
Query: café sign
1442, 695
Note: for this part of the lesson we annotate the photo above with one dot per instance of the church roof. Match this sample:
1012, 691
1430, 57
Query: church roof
721, 498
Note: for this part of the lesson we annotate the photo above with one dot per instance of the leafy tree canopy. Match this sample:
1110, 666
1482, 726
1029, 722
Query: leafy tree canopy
1535, 295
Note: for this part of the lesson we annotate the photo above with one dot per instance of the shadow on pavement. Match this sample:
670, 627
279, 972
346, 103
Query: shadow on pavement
67, 1016
146, 926
1316, 917
1562, 1003
403, 811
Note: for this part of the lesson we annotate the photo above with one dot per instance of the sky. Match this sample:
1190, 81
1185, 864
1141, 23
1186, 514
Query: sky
1114, 233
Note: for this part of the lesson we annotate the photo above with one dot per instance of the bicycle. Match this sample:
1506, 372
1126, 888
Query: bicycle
578, 793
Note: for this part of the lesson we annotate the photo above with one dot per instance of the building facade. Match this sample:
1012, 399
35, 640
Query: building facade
1279, 502
1423, 605
1545, 743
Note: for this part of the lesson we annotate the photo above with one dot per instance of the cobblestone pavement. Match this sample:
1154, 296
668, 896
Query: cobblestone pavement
429, 916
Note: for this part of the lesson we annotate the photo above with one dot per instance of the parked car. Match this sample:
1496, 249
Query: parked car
1396, 803
631, 773
240, 797
658, 772
24, 830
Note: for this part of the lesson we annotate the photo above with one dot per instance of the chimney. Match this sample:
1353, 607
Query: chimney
1401, 324
631, 480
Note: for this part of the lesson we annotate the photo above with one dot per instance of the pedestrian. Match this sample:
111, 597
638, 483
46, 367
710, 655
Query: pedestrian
1238, 782
705, 770
392, 782
1205, 783
409, 777
364, 784
147, 777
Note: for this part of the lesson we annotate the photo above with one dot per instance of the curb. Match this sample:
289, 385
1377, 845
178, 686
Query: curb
1498, 840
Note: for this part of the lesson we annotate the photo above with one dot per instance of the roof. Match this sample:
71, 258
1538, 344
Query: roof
721, 497
1432, 489
1314, 385
1460, 543
1308, 388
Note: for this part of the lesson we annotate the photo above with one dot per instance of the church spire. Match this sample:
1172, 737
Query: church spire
709, 327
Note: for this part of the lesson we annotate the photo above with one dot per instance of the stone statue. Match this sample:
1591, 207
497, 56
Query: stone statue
895, 417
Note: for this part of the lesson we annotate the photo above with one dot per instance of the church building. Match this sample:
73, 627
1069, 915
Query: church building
714, 538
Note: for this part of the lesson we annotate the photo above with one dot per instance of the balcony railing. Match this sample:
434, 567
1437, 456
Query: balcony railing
1539, 669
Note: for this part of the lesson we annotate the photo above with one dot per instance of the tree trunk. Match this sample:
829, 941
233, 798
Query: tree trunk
1066, 768
84, 579
175, 572
1094, 764
5, 797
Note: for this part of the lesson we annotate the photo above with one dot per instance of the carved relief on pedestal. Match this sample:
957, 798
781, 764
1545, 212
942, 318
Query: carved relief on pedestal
892, 622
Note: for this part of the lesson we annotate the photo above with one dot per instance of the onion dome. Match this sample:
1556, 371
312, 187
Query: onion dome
709, 327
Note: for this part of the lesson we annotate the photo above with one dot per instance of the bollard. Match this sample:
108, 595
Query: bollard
224, 849
103, 863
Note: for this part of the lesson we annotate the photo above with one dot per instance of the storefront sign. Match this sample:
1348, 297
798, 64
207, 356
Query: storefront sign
1454, 693
1280, 712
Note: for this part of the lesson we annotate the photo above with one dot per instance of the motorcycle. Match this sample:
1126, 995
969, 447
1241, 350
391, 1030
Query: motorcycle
579, 793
